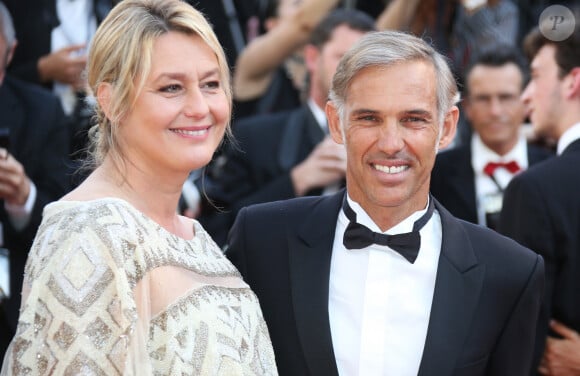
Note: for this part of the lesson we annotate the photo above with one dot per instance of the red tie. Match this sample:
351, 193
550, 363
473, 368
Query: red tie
511, 166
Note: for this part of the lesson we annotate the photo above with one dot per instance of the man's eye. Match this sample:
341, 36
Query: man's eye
413, 119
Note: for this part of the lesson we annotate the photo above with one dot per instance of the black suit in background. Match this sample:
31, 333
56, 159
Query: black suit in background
257, 168
453, 179
485, 304
541, 210
33, 24
39, 141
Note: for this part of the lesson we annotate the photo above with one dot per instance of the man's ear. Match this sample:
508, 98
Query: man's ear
311, 53
11, 53
449, 127
573, 84
104, 93
334, 126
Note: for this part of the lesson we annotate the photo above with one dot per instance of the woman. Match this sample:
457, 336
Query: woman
116, 281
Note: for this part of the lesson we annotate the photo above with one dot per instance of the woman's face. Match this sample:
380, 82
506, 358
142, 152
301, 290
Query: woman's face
180, 116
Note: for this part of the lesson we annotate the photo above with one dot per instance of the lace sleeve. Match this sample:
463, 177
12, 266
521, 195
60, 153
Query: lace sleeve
79, 314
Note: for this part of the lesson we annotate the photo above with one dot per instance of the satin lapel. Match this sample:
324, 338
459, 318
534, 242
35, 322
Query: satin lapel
457, 288
309, 259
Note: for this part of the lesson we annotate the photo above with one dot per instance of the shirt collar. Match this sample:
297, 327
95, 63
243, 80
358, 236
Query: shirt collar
406, 225
571, 135
319, 115
481, 154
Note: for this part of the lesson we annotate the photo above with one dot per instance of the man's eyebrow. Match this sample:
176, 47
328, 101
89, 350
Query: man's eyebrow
417, 112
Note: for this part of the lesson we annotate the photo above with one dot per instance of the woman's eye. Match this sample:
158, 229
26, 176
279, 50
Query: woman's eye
212, 85
173, 88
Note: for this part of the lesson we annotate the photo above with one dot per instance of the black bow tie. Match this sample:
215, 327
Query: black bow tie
357, 236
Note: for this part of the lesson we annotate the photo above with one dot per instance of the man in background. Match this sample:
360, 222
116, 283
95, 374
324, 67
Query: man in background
541, 208
469, 180
33, 167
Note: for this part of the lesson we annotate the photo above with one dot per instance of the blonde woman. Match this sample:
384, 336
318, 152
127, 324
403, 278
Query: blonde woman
116, 281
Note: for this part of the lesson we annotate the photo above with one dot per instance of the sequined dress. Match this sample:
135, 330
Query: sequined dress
110, 292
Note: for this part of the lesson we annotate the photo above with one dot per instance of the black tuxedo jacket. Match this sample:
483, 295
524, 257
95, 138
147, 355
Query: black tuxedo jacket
541, 210
453, 179
39, 141
485, 304
256, 168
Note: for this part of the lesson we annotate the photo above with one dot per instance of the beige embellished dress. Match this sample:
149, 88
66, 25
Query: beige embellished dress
108, 291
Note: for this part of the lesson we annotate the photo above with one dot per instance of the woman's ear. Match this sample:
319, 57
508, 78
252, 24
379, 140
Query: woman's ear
104, 92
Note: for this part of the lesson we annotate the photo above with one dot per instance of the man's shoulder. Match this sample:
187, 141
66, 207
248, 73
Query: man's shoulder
289, 206
30, 91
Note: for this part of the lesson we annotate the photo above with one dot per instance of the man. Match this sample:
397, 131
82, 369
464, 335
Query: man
542, 205
469, 180
33, 168
53, 41
335, 302
286, 154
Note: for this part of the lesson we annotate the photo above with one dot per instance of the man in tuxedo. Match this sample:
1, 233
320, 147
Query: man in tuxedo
285, 154
53, 41
437, 295
542, 205
469, 180
33, 168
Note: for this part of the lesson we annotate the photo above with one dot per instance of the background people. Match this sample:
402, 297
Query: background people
467, 179
541, 206
33, 167
381, 279
117, 282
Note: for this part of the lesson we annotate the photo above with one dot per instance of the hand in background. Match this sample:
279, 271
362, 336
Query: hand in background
561, 356
14, 184
325, 165
64, 66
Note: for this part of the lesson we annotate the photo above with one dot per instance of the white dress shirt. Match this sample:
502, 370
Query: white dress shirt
379, 303
485, 188
77, 26
572, 134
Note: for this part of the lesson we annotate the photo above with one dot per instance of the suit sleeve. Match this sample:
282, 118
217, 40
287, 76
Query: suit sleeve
524, 218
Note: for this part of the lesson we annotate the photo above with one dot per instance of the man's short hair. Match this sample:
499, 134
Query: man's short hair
497, 56
567, 54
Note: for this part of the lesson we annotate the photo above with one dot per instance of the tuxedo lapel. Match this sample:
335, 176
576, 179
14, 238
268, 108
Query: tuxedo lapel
309, 259
457, 288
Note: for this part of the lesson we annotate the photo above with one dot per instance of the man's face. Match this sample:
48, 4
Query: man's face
391, 133
542, 97
342, 38
493, 106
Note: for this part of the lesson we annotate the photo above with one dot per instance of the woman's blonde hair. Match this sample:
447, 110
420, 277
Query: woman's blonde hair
121, 54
